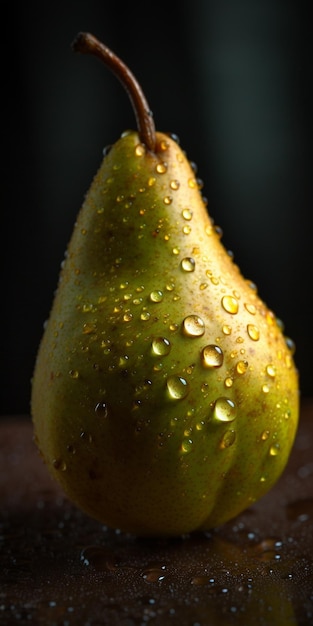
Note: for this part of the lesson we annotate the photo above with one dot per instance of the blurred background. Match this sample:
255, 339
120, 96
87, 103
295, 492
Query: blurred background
233, 79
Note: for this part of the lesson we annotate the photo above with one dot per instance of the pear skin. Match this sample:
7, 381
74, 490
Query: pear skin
165, 395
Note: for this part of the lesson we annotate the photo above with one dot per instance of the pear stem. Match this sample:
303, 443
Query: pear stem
87, 43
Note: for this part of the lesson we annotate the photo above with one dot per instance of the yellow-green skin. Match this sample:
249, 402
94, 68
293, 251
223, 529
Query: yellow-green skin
124, 450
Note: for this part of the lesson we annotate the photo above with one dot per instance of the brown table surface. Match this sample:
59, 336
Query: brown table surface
59, 567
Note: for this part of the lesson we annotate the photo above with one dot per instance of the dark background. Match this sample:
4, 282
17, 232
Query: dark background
232, 79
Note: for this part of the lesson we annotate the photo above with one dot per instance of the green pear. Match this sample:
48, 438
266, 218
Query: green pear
165, 395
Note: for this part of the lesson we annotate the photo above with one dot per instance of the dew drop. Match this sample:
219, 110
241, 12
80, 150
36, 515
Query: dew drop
201, 581
267, 549
164, 145
127, 317
106, 345
140, 150
173, 327
101, 409
187, 214
226, 329
154, 574
230, 304
74, 374
177, 386
265, 435
274, 450
225, 410
250, 308
187, 230
174, 184
212, 356
167, 200
59, 464
290, 345
174, 137
186, 446
228, 439
188, 264
253, 332
193, 326
106, 150
218, 231
271, 371
151, 181
86, 437
265, 388
161, 346
270, 318
241, 367
188, 431
88, 329
156, 296
87, 308
228, 382
161, 168
123, 361
145, 315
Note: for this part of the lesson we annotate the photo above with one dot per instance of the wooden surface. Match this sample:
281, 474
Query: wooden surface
59, 567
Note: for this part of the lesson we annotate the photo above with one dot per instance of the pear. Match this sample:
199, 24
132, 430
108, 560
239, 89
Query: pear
165, 395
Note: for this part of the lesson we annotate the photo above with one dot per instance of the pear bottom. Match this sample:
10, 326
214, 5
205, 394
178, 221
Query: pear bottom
137, 474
